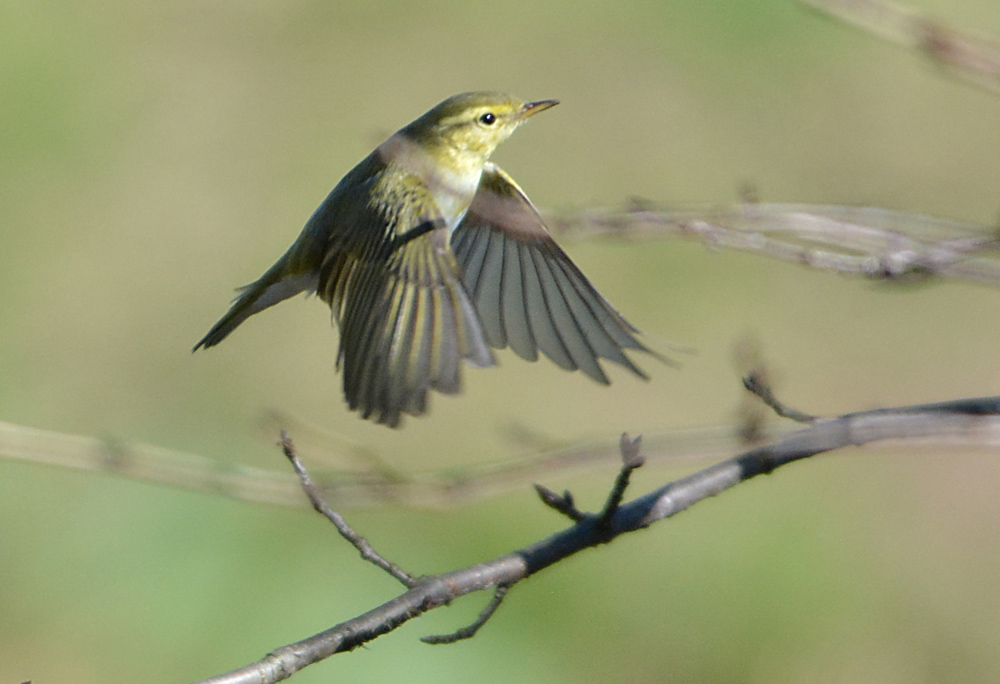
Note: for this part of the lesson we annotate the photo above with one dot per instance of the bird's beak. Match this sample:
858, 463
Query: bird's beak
533, 108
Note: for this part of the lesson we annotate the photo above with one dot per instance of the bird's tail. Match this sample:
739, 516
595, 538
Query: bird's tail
272, 287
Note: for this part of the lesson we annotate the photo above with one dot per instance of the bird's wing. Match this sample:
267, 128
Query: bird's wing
528, 292
406, 321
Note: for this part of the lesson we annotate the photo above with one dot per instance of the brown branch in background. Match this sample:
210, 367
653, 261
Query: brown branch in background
878, 244
853, 429
974, 59
376, 487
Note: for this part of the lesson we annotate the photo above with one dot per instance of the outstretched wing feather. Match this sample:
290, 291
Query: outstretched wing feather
406, 321
528, 293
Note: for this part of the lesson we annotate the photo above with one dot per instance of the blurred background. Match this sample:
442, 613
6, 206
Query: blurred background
154, 156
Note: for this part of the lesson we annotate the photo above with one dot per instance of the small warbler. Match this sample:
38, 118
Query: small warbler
428, 255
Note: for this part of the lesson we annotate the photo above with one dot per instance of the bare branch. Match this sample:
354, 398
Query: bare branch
853, 429
346, 489
563, 503
363, 546
975, 59
429, 593
162, 466
755, 383
471, 630
631, 459
873, 243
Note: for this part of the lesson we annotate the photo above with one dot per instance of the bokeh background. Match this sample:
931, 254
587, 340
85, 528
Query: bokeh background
153, 156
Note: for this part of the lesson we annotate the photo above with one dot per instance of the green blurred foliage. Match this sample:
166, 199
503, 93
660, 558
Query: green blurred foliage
154, 156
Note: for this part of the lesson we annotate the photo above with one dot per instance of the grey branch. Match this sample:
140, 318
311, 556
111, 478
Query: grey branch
854, 429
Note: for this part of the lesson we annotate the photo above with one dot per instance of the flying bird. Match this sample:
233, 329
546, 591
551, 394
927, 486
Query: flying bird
430, 255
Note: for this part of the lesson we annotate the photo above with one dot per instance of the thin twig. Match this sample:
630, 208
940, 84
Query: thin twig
755, 383
631, 459
363, 546
471, 630
563, 503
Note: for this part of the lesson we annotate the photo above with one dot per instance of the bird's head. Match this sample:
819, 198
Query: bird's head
468, 127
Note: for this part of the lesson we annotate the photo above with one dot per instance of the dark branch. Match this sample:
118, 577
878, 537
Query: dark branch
853, 429
631, 459
564, 503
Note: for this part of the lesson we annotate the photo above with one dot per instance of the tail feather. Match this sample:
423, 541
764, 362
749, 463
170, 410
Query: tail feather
273, 287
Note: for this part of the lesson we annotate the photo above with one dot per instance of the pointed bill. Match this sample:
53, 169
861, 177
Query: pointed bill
532, 108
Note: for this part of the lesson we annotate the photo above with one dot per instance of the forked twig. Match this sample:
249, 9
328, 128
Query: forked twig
563, 503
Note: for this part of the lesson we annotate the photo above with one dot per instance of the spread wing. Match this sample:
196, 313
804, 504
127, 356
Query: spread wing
406, 321
528, 292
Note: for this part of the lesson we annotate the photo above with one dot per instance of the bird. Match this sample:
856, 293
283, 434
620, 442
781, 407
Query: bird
430, 255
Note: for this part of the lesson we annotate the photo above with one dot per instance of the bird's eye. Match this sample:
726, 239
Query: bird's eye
489, 118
